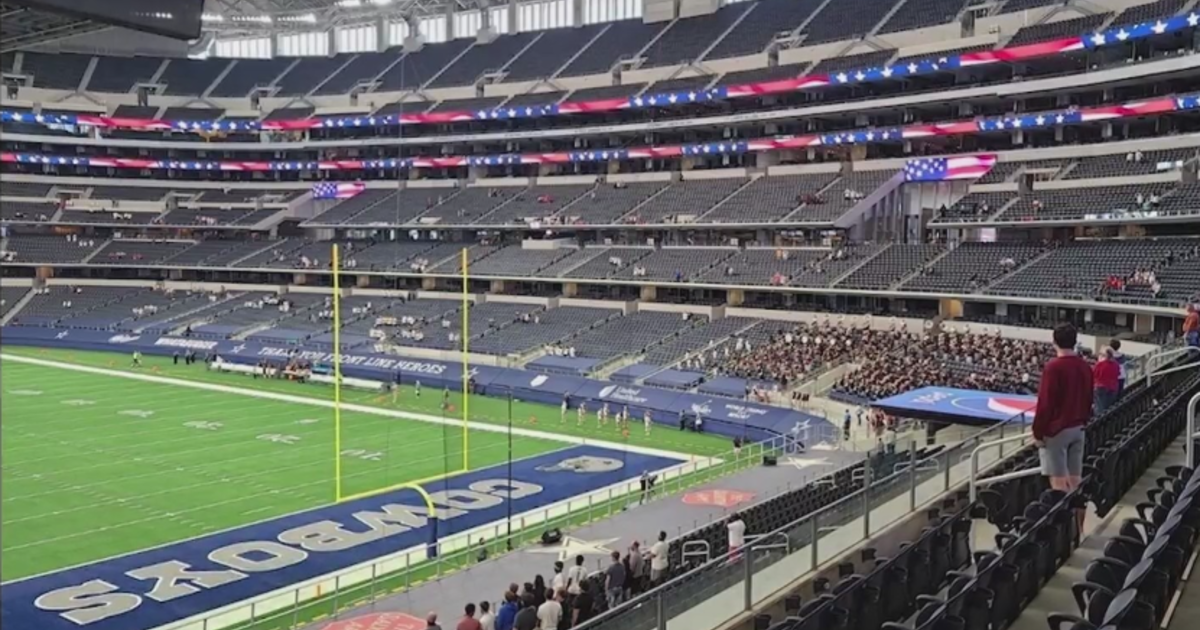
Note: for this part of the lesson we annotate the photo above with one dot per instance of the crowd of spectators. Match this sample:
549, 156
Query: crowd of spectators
573, 594
891, 359
905, 361
1146, 278
787, 356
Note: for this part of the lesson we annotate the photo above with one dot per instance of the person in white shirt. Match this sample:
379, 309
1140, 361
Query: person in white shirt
487, 620
576, 575
550, 612
737, 535
559, 582
659, 562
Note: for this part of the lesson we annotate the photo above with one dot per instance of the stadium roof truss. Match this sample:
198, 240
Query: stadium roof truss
21, 27
248, 16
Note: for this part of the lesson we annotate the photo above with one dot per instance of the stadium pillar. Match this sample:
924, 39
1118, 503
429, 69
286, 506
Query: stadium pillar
1143, 323
735, 297
766, 159
498, 286
508, 535
300, 279
950, 309
649, 293
428, 284
570, 289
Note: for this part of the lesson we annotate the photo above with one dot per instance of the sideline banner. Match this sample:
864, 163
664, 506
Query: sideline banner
723, 416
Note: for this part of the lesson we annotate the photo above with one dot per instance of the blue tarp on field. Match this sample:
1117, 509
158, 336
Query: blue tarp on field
325, 341
721, 416
958, 406
729, 386
675, 379
577, 366
631, 373
217, 329
280, 334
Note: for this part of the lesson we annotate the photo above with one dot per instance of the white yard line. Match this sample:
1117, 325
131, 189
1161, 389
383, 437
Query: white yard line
225, 389
328, 404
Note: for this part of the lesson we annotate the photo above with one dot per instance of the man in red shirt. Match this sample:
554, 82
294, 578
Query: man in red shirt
1191, 327
1064, 406
468, 621
1106, 375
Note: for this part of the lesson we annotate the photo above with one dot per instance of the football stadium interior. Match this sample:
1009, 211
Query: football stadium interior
599, 314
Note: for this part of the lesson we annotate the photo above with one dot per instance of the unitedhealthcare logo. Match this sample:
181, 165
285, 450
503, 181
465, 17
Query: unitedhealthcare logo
124, 338
631, 395
539, 380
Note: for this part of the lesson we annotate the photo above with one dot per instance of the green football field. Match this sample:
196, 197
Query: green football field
95, 465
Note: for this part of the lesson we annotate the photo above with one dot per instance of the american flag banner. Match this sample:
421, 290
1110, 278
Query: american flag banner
940, 169
330, 190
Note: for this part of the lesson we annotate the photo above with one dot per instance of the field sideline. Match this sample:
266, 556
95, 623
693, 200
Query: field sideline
100, 462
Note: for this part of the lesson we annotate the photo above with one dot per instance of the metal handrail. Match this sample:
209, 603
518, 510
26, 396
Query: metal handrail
1190, 446
811, 517
702, 549
974, 479
1162, 357
1019, 474
759, 544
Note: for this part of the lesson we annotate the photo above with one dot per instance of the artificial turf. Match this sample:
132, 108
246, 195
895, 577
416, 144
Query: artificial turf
96, 465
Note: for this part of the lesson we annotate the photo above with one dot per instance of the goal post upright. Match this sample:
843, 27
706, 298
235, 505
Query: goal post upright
466, 371
337, 375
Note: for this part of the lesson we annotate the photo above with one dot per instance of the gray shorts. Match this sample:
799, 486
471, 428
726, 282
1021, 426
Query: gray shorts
1062, 455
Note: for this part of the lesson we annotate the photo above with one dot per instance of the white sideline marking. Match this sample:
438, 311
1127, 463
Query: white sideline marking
686, 458
328, 404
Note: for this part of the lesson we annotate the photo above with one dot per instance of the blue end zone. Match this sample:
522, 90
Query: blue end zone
277, 553
958, 406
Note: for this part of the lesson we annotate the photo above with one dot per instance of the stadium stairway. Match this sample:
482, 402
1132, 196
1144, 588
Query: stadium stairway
862, 263
87, 259
919, 270
1139, 581
16, 308
1019, 268
1057, 595
176, 324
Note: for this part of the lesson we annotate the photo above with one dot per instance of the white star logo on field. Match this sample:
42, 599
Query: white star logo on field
572, 547
802, 462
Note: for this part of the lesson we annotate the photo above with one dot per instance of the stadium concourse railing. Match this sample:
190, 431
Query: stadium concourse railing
326, 597
736, 583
